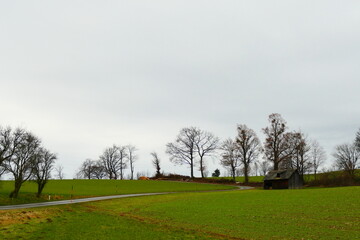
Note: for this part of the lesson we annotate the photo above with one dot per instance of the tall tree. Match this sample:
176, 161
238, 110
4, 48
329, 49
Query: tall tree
20, 164
230, 156
123, 157
91, 169
86, 169
9, 141
357, 140
42, 165
264, 167
256, 167
132, 157
249, 148
317, 155
183, 150
59, 172
113, 162
156, 163
206, 144
98, 170
299, 153
276, 144
347, 158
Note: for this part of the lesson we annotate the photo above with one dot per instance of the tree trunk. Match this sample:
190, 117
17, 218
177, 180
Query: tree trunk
40, 189
192, 168
246, 169
132, 173
201, 168
233, 171
15, 192
276, 165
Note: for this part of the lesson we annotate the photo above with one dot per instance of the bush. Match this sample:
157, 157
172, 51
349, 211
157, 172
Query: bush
216, 173
171, 176
215, 180
335, 179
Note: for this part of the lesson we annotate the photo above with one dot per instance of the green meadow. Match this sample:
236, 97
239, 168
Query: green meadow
241, 179
66, 189
314, 213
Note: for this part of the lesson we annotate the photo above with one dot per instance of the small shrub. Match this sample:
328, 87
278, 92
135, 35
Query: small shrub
216, 173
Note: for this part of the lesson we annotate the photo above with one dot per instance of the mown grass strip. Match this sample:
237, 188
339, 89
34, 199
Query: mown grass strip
67, 189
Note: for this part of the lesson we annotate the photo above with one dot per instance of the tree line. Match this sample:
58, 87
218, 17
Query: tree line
282, 149
111, 163
193, 147
24, 157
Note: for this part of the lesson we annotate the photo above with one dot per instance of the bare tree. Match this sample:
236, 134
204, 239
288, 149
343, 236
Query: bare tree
256, 167
98, 170
249, 148
114, 161
9, 141
357, 140
298, 152
111, 161
182, 151
59, 172
20, 164
42, 165
264, 167
123, 157
230, 156
317, 155
276, 144
156, 163
132, 157
206, 144
86, 169
347, 158
91, 169
2, 170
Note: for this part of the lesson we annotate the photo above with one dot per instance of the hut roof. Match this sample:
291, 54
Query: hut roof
279, 174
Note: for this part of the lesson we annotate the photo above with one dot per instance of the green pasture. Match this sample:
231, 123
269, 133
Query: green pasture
317, 213
254, 179
307, 177
242, 178
66, 189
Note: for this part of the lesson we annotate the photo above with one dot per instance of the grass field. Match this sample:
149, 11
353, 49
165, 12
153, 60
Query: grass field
307, 177
66, 189
318, 213
242, 179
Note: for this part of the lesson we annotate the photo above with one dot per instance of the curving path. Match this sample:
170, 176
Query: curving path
92, 199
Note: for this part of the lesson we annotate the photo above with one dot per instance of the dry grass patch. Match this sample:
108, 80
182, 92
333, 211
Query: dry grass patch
11, 217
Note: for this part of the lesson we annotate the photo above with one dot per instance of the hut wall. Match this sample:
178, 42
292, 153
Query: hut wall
280, 184
276, 184
295, 181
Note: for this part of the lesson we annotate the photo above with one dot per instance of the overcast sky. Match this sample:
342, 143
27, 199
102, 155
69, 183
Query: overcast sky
83, 75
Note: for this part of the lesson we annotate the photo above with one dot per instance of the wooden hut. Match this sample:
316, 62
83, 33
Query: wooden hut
283, 179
